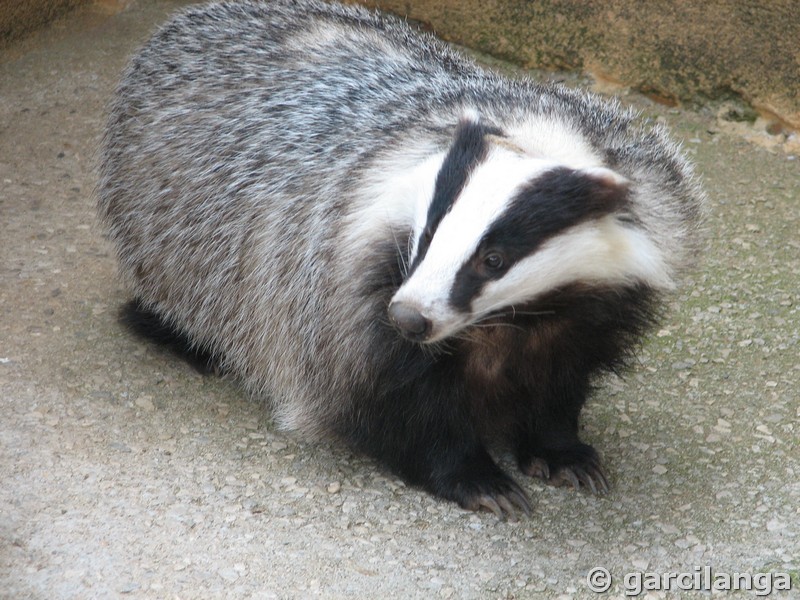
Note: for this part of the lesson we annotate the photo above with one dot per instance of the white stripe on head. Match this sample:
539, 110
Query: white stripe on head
601, 251
393, 198
489, 191
542, 136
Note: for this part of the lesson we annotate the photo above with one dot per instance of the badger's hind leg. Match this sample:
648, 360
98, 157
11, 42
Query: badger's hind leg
149, 325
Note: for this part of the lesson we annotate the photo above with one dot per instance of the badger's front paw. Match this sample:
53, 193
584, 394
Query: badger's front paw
503, 496
484, 487
577, 465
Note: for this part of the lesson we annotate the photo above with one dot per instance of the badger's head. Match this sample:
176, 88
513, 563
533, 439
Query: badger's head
506, 225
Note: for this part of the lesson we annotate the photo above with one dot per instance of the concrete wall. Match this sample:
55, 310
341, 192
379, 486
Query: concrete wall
675, 51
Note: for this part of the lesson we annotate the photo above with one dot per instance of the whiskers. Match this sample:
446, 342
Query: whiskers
499, 311
497, 317
402, 257
483, 324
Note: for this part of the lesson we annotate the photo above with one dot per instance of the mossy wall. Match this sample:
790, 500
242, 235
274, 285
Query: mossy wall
19, 17
675, 51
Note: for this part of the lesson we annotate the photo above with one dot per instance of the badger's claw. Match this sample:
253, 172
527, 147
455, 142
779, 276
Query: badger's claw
577, 467
578, 477
538, 467
503, 497
505, 507
489, 503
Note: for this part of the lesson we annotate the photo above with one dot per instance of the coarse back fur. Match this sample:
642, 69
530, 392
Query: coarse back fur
266, 176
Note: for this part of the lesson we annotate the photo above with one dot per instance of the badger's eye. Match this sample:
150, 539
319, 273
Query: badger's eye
493, 261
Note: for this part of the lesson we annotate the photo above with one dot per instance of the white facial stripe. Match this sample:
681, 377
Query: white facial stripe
395, 198
486, 196
541, 136
596, 252
399, 193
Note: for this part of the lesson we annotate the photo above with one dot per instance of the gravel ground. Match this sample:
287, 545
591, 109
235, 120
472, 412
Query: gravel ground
125, 474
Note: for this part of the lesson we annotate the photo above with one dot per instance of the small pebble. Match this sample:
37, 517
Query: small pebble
129, 587
775, 525
145, 403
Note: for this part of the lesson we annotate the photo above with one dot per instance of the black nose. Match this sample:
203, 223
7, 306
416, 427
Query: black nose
409, 321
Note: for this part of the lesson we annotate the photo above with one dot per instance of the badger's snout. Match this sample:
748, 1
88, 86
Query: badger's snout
411, 323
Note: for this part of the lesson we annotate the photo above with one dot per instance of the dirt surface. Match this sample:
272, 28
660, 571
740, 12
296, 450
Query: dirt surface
125, 474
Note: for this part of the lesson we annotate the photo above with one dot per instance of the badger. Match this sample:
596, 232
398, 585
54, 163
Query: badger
388, 243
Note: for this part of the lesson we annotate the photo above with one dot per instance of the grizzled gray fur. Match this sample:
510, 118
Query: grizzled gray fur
246, 181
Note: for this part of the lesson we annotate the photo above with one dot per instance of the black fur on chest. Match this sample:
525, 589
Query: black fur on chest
549, 349
519, 378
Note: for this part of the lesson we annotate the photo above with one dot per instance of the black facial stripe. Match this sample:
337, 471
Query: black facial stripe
467, 284
468, 150
549, 204
546, 206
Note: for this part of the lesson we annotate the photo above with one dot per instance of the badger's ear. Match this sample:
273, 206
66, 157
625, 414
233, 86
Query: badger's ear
606, 186
606, 176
